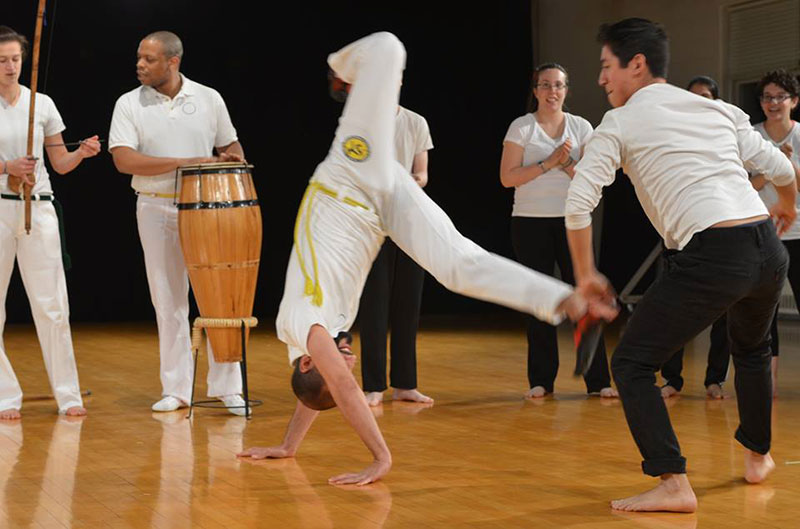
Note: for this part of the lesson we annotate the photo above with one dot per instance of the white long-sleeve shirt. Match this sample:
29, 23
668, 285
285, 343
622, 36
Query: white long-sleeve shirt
684, 155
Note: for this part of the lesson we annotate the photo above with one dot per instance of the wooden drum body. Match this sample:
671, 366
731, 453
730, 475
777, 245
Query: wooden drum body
219, 220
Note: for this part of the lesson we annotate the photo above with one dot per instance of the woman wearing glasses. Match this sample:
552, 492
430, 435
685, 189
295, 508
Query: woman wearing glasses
778, 91
540, 151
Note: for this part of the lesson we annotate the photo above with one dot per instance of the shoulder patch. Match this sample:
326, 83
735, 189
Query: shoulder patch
356, 148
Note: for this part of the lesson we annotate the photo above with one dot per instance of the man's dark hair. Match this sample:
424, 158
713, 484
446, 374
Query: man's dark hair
310, 388
9, 35
707, 81
633, 36
781, 78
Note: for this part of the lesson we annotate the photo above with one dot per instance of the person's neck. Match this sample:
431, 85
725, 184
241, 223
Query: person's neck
548, 115
171, 87
779, 128
10, 92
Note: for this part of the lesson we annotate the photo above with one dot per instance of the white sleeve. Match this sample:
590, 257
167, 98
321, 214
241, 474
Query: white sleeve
601, 158
123, 129
226, 133
759, 155
519, 131
53, 124
424, 140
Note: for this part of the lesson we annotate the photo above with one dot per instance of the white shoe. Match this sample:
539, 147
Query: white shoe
234, 400
169, 403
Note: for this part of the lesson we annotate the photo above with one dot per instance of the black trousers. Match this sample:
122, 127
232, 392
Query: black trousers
539, 243
391, 299
719, 350
740, 270
719, 353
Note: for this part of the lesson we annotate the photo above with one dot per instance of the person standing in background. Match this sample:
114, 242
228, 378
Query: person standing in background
393, 292
540, 151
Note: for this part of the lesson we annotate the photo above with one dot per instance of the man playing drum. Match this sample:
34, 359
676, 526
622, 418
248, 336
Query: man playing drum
358, 195
167, 122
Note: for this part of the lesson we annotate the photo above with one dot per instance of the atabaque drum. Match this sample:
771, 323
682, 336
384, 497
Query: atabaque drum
219, 220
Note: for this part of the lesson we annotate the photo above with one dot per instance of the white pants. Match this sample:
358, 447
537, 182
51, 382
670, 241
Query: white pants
42, 271
345, 237
169, 291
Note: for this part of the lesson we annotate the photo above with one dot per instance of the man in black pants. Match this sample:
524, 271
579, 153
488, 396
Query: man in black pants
684, 155
392, 294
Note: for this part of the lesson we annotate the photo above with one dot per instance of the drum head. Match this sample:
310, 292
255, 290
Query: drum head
215, 168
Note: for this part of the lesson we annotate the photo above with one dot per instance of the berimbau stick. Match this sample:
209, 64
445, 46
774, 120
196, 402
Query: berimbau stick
37, 39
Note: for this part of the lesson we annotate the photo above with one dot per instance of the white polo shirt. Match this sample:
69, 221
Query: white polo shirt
545, 195
768, 193
683, 154
14, 134
191, 124
412, 136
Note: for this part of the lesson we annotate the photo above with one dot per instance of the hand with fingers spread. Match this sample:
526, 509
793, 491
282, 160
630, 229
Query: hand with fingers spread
266, 452
371, 474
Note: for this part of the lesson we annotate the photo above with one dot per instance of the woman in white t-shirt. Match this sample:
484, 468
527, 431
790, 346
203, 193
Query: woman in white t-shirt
778, 91
539, 155
38, 253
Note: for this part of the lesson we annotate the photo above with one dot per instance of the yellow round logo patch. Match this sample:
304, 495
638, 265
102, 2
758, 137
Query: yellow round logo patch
356, 148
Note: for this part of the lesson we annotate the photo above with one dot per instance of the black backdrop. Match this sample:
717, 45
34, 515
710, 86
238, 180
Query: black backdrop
467, 73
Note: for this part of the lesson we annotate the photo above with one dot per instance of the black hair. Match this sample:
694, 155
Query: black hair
533, 103
712, 85
9, 35
632, 36
781, 78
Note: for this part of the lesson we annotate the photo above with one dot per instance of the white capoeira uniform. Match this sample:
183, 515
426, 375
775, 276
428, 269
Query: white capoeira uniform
189, 125
38, 254
360, 193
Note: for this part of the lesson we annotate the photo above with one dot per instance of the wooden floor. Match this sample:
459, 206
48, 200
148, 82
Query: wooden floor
480, 457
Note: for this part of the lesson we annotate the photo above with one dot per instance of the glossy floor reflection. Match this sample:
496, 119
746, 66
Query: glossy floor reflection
480, 457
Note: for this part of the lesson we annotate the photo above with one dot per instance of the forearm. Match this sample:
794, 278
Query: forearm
129, 161
351, 403
300, 423
66, 162
582, 251
787, 194
522, 175
234, 148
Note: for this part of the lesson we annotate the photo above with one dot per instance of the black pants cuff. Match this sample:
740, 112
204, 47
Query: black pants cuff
762, 449
657, 467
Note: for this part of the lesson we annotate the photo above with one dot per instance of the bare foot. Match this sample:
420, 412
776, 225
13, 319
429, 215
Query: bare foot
10, 415
757, 467
668, 391
714, 391
609, 393
673, 494
536, 392
411, 395
374, 398
774, 376
75, 411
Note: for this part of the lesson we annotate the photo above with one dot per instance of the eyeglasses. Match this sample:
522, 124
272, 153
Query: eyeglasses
555, 86
775, 99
